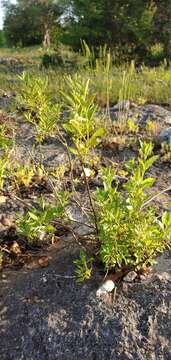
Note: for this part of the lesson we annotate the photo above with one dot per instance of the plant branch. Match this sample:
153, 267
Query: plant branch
90, 199
155, 196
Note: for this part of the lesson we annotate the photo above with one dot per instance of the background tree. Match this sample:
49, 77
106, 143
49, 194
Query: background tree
133, 28
118, 23
31, 22
2, 38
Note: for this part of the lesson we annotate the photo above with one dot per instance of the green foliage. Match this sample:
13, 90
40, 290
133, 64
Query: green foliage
2, 38
4, 165
23, 174
42, 113
36, 224
131, 28
82, 123
166, 152
83, 267
157, 52
130, 233
5, 140
29, 22
63, 57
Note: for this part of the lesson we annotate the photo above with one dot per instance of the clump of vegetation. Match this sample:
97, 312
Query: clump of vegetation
83, 267
42, 113
62, 57
130, 233
82, 123
127, 231
5, 139
166, 152
37, 224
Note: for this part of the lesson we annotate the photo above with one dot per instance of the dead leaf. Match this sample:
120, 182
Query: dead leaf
43, 261
15, 248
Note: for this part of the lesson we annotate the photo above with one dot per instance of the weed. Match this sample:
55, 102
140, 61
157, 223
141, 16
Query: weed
23, 174
153, 128
83, 267
4, 165
130, 235
5, 140
82, 123
41, 112
36, 224
166, 152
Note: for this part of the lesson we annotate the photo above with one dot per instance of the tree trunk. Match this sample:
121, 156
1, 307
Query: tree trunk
46, 40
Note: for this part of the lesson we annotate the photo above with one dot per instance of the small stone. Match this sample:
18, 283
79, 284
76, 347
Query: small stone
105, 288
44, 279
143, 277
88, 172
6, 221
121, 105
165, 136
15, 248
130, 276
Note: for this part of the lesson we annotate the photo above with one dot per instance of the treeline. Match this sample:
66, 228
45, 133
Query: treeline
140, 28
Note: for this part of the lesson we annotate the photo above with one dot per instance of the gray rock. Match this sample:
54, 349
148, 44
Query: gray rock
8, 60
123, 105
154, 113
130, 276
165, 136
143, 113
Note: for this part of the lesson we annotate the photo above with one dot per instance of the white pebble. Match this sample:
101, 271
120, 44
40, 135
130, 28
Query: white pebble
105, 288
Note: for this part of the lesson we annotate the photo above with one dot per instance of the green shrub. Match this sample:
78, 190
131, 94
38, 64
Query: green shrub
62, 56
130, 233
82, 123
40, 110
36, 225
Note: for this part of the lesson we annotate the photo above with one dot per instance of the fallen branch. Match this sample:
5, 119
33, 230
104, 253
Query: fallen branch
155, 196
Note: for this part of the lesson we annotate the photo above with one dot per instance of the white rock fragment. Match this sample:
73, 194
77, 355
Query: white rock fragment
44, 279
105, 288
88, 172
130, 276
122, 105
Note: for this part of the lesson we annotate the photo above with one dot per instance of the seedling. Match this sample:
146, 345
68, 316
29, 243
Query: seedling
83, 267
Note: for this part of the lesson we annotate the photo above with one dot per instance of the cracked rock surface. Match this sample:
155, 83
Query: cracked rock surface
44, 316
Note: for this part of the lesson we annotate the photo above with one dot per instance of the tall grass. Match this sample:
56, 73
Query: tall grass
110, 83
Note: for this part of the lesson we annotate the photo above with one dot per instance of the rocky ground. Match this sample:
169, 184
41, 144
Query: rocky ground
45, 314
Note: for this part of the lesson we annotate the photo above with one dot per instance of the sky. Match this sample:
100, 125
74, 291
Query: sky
2, 13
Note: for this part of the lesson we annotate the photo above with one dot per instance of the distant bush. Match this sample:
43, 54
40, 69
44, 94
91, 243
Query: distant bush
157, 53
62, 56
